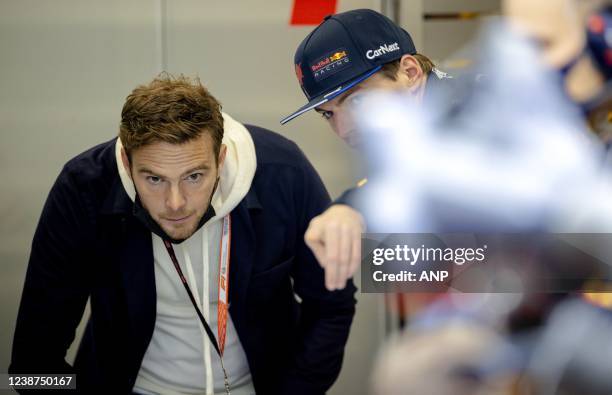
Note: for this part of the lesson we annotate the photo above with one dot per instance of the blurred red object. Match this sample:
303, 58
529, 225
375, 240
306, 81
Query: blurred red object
311, 12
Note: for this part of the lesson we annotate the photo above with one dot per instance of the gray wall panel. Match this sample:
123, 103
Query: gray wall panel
66, 67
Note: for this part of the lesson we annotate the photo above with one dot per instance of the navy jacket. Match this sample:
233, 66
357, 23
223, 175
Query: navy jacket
88, 244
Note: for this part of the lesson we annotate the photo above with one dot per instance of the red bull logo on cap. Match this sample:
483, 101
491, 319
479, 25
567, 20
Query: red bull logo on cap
330, 64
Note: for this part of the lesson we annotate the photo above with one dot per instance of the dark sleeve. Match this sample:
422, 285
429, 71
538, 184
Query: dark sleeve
55, 290
326, 316
348, 197
355, 198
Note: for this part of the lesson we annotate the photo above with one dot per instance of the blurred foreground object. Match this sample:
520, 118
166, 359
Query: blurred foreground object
442, 361
513, 155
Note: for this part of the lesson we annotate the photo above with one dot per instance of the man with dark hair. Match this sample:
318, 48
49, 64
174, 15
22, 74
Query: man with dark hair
346, 55
146, 227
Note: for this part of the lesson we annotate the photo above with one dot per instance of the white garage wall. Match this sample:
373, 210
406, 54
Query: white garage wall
65, 69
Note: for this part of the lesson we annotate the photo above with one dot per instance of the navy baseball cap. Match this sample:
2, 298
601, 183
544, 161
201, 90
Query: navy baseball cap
345, 49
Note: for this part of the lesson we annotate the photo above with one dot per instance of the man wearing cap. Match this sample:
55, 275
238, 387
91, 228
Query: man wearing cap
347, 54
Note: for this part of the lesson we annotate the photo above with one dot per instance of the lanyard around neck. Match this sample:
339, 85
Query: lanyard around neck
224, 260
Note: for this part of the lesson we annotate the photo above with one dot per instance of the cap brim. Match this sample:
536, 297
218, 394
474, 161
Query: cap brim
324, 98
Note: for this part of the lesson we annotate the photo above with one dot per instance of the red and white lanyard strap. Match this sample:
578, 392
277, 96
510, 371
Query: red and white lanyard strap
224, 267
224, 260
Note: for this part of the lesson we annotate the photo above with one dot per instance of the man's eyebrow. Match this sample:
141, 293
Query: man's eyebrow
203, 166
342, 97
146, 170
348, 93
192, 170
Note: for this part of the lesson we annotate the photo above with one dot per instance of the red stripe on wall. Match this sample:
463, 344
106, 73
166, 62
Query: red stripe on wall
311, 12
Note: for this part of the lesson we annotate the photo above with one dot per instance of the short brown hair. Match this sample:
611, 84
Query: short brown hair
170, 109
390, 69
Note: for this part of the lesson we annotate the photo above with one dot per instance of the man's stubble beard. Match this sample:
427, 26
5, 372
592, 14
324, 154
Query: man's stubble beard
181, 233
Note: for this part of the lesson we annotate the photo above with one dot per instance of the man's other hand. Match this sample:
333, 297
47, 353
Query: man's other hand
335, 239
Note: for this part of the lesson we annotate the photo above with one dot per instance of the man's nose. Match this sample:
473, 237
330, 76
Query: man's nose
175, 200
342, 125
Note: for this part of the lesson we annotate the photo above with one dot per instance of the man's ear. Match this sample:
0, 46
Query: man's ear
410, 71
221, 159
126, 162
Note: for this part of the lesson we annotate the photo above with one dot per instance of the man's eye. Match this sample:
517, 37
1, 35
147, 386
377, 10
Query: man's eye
153, 180
354, 100
327, 114
195, 177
